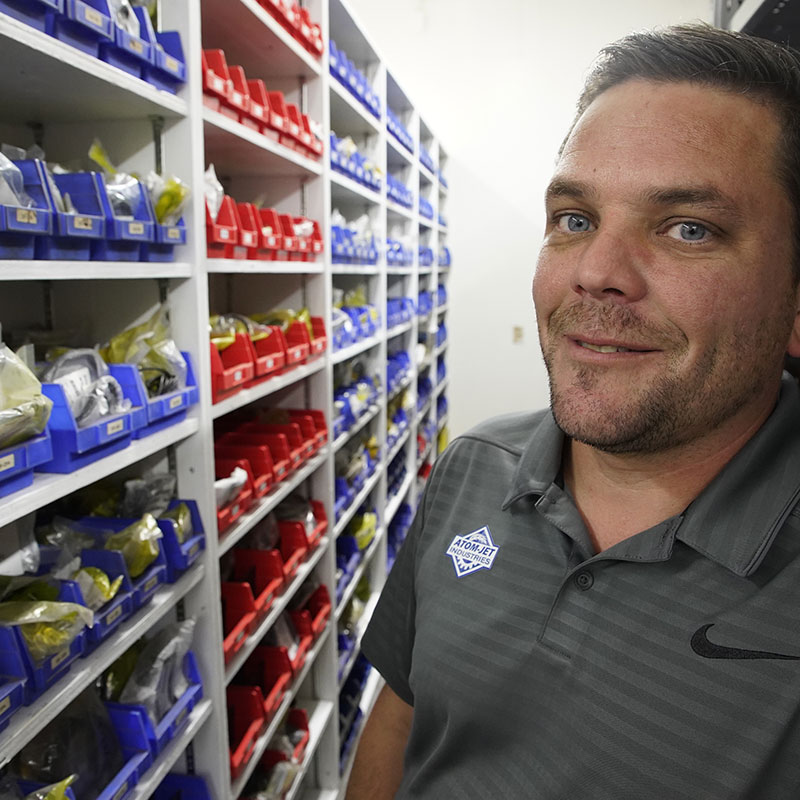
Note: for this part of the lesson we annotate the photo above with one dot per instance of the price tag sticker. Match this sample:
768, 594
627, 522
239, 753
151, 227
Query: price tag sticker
235, 510
93, 17
181, 717
59, 658
27, 216
135, 228
270, 365
115, 427
194, 549
237, 376
82, 223
237, 98
137, 46
5, 704
174, 233
224, 233
114, 615
171, 64
176, 401
121, 792
151, 584
7, 462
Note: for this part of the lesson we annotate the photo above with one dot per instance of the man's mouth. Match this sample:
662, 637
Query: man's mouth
610, 348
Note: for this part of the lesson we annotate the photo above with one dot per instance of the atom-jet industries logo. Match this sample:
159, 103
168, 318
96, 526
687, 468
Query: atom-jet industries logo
472, 552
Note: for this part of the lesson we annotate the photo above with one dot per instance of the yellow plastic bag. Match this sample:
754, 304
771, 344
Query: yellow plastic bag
24, 410
55, 791
96, 587
138, 544
181, 515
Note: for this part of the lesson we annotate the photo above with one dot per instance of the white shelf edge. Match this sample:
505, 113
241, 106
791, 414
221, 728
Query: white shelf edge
363, 622
261, 744
359, 499
401, 211
353, 103
33, 270
440, 423
53, 48
425, 222
50, 486
440, 387
355, 349
246, 396
361, 422
442, 308
354, 187
166, 760
359, 573
318, 720
424, 410
426, 173
235, 128
398, 329
404, 384
268, 502
277, 609
400, 271
425, 455
355, 269
255, 267
29, 720
398, 148
440, 349
398, 445
397, 500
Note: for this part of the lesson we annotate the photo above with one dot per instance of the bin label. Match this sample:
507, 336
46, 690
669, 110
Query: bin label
224, 233
237, 376
235, 510
181, 717
171, 64
120, 793
27, 216
270, 363
93, 17
136, 46
174, 233
59, 658
82, 223
151, 584
114, 615
176, 401
7, 462
237, 98
219, 84
135, 228
5, 704
240, 637
115, 427
193, 549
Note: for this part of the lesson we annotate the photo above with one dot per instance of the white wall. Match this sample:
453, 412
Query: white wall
497, 82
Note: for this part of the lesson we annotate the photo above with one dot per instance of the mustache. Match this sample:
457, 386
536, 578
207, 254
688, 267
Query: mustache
611, 321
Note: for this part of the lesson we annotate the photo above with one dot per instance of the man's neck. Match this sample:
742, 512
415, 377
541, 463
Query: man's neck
621, 495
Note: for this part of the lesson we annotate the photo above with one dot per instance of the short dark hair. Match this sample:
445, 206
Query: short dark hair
701, 54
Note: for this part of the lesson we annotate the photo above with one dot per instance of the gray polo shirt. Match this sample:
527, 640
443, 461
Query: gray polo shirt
666, 667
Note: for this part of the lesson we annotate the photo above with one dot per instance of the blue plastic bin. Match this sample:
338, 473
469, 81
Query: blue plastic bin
31, 12
162, 249
73, 233
168, 70
108, 618
154, 414
20, 227
124, 237
128, 52
131, 720
18, 462
182, 787
84, 24
12, 676
181, 556
75, 447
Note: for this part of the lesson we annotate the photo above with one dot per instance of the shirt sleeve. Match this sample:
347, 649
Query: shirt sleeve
388, 642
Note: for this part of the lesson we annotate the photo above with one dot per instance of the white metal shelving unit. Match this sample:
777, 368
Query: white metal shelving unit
72, 98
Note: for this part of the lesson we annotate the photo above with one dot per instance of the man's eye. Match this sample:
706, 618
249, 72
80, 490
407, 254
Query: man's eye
689, 232
574, 223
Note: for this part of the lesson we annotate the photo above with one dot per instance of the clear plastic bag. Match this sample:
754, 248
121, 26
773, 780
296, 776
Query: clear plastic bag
123, 15
138, 544
169, 196
55, 791
24, 410
150, 494
226, 489
12, 185
297, 508
214, 192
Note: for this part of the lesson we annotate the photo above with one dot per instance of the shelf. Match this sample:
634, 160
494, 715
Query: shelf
424, 222
398, 329
29, 720
361, 422
357, 502
359, 573
237, 150
441, 422
401, 211
405, 383
363, 622
173, 751
355, 349
425, 455
47, 80
348, 116
442, 309
440, 387
91, 270
345, 190
48, 487
425, 173
397, 157
398, 445
368, 697
425, 409
246, 267
425, 270
355, 269
400, 270
246, 396
397, 500
252, 38
440, 349
262, 742
268, 502
319, 717
278, 607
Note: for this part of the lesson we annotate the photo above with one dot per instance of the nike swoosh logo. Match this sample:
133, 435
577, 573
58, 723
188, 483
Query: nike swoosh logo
703, 647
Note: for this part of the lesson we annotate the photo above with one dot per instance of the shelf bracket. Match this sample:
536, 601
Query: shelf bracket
158, 133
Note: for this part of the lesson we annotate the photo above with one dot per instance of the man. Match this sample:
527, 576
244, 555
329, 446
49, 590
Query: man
602, 600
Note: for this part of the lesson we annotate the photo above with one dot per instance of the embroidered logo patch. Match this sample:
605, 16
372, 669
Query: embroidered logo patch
472, 552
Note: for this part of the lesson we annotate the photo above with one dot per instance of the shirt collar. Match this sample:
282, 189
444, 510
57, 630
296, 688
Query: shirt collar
737, 516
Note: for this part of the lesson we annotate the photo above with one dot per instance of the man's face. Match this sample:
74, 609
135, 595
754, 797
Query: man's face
663, 289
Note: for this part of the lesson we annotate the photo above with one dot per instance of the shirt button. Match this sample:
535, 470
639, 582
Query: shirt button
584, 580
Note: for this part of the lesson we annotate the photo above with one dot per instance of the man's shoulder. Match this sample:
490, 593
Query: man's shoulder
510, 432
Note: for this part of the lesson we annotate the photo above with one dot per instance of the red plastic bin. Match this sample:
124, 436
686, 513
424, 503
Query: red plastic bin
229, 513
239, 95
296, 530
278, 447
246, 722
238, 617
261, 571
232, 367
316, 613
222, 233
259, 106
315, 146
298, 452
270, 669
258, 456
270, 355
249, 227
217, 82
318, 418
297, 128
297, 720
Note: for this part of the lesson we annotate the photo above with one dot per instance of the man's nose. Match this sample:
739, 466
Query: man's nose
610, 266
